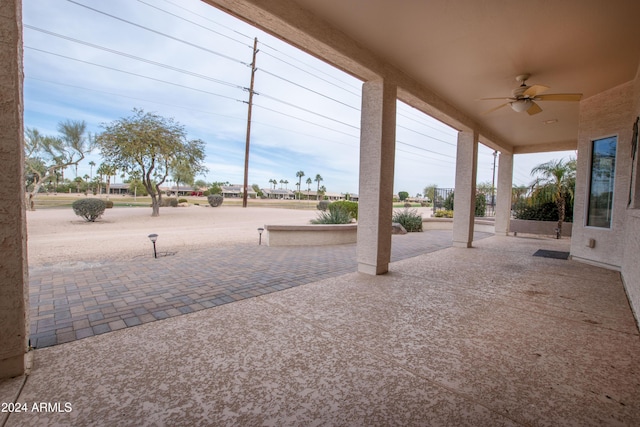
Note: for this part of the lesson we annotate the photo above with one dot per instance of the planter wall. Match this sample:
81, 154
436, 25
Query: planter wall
546, 228
310, 235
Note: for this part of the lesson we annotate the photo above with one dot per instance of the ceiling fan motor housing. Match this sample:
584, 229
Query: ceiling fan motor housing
518, 92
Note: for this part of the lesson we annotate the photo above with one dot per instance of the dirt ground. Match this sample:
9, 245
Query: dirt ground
59, 236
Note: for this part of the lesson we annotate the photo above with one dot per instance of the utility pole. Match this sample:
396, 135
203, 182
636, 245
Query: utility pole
246, 152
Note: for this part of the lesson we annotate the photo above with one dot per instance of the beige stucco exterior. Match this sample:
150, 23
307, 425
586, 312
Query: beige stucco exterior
13, 260
612, 112
310, 234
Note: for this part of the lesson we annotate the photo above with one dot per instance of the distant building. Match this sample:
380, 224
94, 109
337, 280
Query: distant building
235, 190
277, 193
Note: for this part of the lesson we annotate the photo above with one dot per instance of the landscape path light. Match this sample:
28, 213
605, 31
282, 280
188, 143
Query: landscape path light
153, 238
260, 230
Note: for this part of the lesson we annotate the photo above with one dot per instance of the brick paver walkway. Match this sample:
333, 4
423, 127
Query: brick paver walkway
70, 303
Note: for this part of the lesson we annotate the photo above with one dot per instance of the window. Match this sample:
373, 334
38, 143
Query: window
603, 168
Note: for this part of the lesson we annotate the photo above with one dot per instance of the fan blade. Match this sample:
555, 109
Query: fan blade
534, 109
504, 98
560, 97
534, 90
496, 108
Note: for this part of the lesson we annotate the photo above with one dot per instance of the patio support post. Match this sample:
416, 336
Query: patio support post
464, 201
503, 202
377, 157
13, 263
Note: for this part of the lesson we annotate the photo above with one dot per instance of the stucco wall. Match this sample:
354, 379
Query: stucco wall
547, 228
631, 246
606, 114
13, 269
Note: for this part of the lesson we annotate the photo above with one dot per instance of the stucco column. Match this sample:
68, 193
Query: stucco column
377, 156
13, 262
503, 202
464, 201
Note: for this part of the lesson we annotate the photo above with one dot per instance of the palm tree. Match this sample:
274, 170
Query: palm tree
557, 181
317, 179
108, 171
322, 190
299, 175
285, 184
309, 181
91, 165
281, 182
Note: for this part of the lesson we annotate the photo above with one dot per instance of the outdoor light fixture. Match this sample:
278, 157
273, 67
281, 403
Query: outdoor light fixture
153, 238
260, 230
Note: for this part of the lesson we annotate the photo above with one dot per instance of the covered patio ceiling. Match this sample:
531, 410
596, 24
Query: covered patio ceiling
447, 54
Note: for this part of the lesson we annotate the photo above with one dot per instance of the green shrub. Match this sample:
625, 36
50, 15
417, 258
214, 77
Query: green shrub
169, 201
448, 202
108, 204
481, 205
444, 214
410, 219
89, 209
323, 205
407, 205
333, 216
546, 211
183, 201
215, 200
349, 206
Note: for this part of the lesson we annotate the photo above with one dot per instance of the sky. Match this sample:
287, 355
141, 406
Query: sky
96, 61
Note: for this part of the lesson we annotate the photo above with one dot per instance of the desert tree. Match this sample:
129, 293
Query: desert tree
150, 144
182, 172
46, 155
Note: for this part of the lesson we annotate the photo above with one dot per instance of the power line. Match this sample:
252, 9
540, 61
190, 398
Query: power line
427, 136
222, 55
310, 66
192, 22
255, 122
429, 151
304, 120
267, 96
137, 58
133, 97
419, 155
176, 69
210, 20
307, 110
134, 74
343, 83
311, 74
308, 89
211, 79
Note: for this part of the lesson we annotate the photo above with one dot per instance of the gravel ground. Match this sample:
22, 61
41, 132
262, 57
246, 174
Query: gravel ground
59, 236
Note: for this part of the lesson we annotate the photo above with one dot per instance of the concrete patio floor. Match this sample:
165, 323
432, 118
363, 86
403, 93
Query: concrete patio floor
488, 336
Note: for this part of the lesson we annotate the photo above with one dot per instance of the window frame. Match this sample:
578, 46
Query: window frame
590, 182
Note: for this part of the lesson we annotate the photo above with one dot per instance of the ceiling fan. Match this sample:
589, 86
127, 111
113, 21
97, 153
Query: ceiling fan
522, 98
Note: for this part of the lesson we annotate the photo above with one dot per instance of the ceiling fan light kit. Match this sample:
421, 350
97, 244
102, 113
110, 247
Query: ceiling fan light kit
521, 105
523, 97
